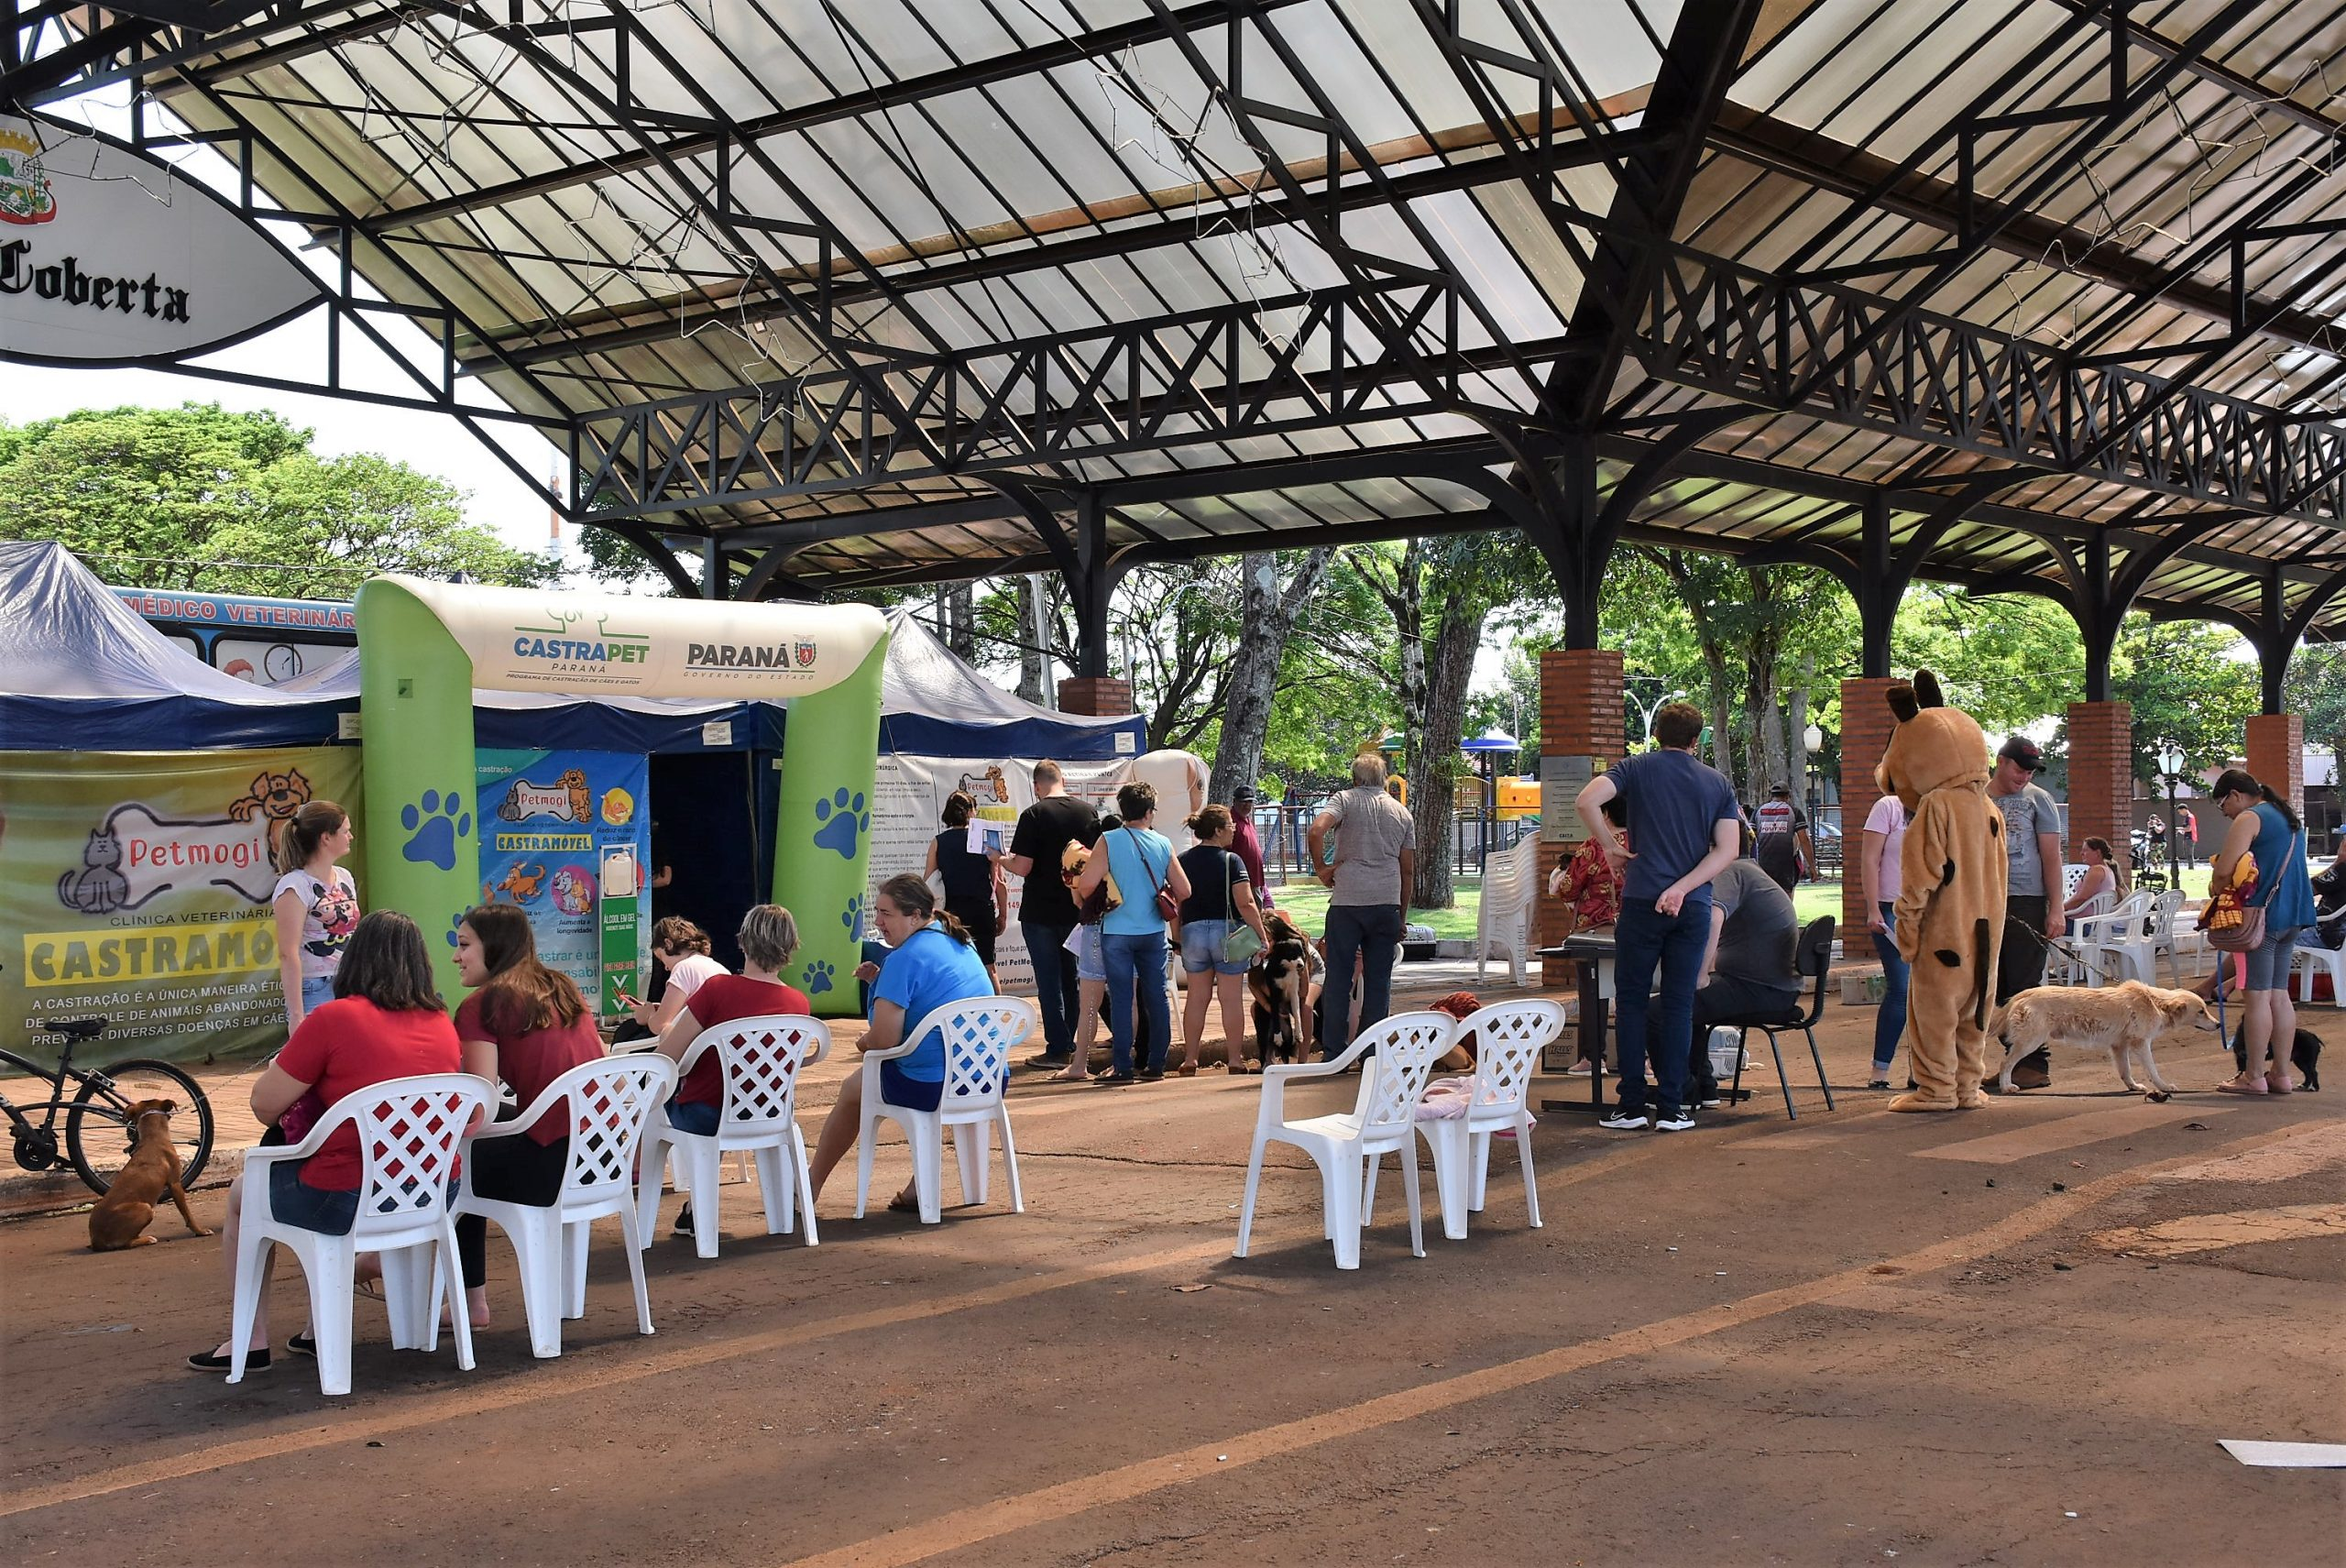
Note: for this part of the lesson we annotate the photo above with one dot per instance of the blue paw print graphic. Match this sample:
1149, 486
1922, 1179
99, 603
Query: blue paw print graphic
840, 823
436, 824
852, 916
819, 977
450, 934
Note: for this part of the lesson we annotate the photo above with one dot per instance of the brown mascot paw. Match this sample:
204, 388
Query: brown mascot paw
1922, 1102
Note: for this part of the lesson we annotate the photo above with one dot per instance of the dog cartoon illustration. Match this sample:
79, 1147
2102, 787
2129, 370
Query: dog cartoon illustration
523, 885
276, 796
582, 806
988, 784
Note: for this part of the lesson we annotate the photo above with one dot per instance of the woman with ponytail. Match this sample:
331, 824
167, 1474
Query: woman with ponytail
931, 963
2264, 826
316, 903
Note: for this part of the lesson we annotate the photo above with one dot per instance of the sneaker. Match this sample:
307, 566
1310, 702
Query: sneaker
1624, 1121
1677, 1119
1709, 1101
1877, 1083
1580, 1068
685, 1221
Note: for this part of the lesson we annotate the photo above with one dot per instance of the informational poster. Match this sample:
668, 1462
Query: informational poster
138, 888
564, 835
908, 812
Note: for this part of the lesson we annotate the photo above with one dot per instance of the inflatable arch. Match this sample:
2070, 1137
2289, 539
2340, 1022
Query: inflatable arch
423, 646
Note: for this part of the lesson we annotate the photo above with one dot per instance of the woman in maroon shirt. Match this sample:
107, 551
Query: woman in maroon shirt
524, 1024
768, 937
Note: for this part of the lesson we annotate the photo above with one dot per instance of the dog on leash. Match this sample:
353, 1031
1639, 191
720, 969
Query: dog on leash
122, 1216
1278, 985
2123, 1019
2305, 1055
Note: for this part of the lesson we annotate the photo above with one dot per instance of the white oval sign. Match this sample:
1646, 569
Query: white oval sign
108, 257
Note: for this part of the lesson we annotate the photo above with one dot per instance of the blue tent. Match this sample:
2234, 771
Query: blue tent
80, 672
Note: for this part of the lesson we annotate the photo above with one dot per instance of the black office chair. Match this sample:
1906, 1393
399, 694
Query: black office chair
1813, 957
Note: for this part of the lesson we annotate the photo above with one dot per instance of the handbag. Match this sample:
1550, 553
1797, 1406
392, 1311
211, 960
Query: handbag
2250, 933
1239, 943
1168, 908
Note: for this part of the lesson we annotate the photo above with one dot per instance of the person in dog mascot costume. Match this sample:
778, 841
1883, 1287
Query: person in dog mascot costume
1950, 908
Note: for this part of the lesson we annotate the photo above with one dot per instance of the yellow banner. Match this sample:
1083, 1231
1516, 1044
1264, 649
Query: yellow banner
191, 951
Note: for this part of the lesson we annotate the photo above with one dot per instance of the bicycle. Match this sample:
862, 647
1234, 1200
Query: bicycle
101, 1101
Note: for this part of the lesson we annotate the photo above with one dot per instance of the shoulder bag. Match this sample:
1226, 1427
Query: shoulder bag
2250, 933
1168, 908
1239, 943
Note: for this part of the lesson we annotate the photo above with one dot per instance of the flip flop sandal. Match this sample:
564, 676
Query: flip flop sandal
213, 1361
900, 1204
2240, 1089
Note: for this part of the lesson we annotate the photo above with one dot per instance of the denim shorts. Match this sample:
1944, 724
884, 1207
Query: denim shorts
317, 990
1091, 957
328, 1211
2268, 962
1202, 946
695, 1116
898, 1087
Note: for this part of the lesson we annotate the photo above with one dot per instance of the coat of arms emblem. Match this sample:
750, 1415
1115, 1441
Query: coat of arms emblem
25, 195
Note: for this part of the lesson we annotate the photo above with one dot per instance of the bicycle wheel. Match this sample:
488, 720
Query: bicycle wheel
97, 1134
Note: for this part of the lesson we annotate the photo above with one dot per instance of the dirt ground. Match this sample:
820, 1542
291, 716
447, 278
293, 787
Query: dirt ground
2010, 1336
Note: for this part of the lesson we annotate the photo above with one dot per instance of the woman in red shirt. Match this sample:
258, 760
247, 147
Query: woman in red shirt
524, 1024
385, 1021
768, 936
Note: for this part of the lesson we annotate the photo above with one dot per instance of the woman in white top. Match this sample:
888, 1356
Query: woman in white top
2102, 876
1885, 842
680, 948
316, 905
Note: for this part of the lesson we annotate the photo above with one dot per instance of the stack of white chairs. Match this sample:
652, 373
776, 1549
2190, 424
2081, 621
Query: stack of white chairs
1347, 1144
1510, 897
761, 1059
604, 1107
410, 1130
1508, 1039
980, 1035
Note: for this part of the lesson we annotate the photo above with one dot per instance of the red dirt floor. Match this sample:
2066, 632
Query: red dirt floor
2008, 1336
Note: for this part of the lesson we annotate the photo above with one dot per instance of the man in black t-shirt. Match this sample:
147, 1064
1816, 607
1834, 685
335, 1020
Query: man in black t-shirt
1045, 907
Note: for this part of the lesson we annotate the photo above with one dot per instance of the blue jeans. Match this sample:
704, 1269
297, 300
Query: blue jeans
317, 990
1642, 939
1136, 959
1890, 1022
695, 1116
1055, 997
1369, 931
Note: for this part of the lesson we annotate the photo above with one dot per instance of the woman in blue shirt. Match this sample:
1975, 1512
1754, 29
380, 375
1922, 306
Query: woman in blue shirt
930, 963
2264, 826
1131, 938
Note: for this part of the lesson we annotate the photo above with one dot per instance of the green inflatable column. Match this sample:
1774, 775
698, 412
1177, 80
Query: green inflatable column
823, 830
415, 703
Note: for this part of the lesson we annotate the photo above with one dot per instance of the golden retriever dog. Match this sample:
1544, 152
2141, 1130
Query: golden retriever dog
2123, 1019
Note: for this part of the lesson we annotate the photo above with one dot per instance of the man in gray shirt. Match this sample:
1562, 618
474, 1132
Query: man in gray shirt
1376, 857
2033, 900
1748, 969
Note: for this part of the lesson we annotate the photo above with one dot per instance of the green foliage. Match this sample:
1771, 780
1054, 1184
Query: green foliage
2185, 686
2007, 660
202, 498
2315, 688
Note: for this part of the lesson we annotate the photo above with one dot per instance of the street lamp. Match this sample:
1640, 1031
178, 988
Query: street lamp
1645, 710
2171, 761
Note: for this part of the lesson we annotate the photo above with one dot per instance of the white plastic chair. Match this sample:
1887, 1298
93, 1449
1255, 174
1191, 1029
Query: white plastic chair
610, 1105
2067, 963
1510, 898
1508, 1039
2129, 942
409, 1131
980, 1035
1346, 1146
761, 1059
2310, 960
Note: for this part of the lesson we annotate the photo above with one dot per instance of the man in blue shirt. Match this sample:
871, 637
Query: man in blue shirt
1683, 819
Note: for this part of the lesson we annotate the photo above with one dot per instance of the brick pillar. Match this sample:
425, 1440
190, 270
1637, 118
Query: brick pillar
2276, 755
1581, 727
1095, 696
1866, 724
2101, 779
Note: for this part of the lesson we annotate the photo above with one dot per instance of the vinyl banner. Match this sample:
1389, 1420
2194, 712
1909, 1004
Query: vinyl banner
908, 805
564, 835
138, 885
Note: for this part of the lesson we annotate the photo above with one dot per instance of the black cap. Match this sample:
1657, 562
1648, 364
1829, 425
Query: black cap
2025, 752
1243, 795
1780, 789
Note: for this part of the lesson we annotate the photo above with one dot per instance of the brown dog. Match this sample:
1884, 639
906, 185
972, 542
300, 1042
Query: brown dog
122, 1216
1278, 984
2123, 1019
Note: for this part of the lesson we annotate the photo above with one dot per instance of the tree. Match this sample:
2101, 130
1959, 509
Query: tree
2185, 686
1267, 613
197, 498
2316, 689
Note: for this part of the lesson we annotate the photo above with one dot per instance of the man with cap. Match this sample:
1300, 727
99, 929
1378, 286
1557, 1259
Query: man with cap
1783, 847
2032, 909
1243, 843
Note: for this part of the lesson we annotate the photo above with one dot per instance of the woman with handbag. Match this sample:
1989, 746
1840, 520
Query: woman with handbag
1132, 936
1222, 930
2264, 826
